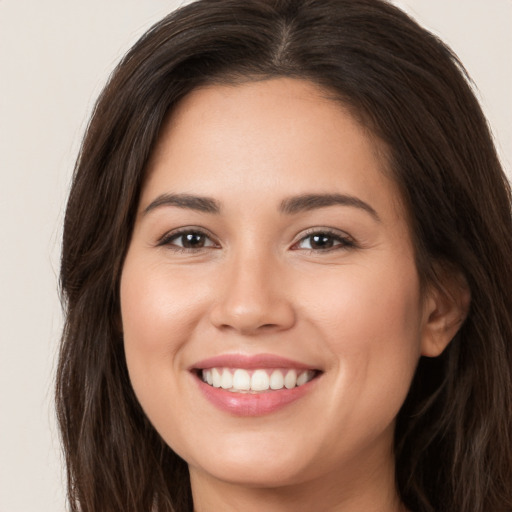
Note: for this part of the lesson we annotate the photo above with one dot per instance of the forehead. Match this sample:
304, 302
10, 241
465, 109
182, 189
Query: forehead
268, 137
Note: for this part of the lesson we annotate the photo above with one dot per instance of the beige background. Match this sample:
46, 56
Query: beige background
55, 56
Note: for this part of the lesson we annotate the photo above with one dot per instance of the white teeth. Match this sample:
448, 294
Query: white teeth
240, 380
302, 378
216, 378
226, 382
277, 380
260, 380
290, 381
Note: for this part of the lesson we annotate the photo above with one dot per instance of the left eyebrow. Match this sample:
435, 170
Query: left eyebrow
198, 203
307, 202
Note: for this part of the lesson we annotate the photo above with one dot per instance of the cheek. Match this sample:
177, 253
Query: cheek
160, 311
158, 308
159, 314
370, 308
371, 321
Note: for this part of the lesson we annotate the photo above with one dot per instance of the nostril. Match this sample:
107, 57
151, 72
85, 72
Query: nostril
269, 326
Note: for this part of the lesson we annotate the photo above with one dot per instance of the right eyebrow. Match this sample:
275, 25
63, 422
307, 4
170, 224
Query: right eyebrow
307, 202
198, 203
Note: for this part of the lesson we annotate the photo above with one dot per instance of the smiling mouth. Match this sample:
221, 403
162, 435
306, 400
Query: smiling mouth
239, 380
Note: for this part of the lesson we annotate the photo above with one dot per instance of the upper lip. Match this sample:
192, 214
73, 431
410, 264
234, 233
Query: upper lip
250, 362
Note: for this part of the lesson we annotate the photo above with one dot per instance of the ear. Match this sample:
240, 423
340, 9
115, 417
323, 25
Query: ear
446, 306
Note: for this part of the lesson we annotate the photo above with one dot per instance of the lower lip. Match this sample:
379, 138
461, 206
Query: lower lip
253, 404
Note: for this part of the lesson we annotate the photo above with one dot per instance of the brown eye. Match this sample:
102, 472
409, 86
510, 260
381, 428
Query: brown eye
192, 240
189, 240
323, 241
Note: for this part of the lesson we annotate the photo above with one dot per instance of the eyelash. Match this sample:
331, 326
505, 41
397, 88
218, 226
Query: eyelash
342, 241
169, 238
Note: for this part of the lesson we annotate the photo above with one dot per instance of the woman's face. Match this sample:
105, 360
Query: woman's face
271, 256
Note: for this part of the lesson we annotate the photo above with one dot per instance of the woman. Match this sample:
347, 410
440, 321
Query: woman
286, 271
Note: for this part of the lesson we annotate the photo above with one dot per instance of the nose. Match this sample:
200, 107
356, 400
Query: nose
253, 298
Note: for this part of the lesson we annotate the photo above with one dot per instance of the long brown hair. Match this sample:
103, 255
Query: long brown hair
453, 442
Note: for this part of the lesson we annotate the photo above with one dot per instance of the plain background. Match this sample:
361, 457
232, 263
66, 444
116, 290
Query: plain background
55, 55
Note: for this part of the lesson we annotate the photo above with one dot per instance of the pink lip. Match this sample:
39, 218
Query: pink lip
247, 404
249, 362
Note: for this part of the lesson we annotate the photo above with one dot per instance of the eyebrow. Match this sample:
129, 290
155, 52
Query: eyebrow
289, 206
307, 202
198, 203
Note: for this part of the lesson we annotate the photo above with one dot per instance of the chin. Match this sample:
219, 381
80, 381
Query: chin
254, 460
269, 473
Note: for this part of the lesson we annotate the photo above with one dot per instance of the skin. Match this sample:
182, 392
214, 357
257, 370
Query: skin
353, 310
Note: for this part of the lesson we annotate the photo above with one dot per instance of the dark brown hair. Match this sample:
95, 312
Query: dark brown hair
453, 437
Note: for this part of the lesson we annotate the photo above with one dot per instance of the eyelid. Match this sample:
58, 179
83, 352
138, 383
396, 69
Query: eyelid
166, 238
345, 239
